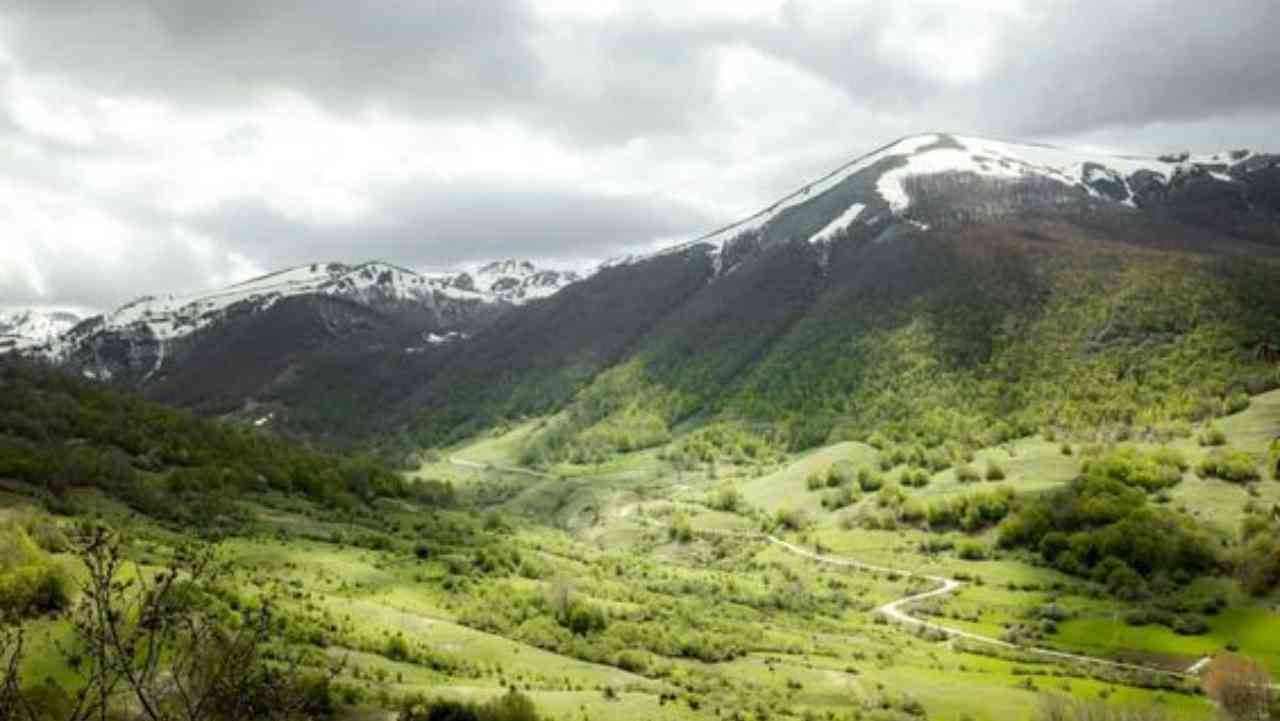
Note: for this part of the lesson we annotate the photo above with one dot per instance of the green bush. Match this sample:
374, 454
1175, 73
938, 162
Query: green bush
967, 474
681, 529
869, 481
1259, 562
914, 478
31, 582
973, 551
1236, 402
842, 473
792, 519
1101, 527
513, 706
1212, 436
727, 499
995, 471
1230, 464
1161, 468
970, 512
842, 497
815, 481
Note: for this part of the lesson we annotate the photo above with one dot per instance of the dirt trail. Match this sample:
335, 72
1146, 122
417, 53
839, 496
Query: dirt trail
495, 467
894, 611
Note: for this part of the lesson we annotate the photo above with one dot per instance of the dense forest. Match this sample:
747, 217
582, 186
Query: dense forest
59, 432
960, 339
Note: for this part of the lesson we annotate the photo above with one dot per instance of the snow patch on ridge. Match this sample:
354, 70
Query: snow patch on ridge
26, 329
1011, 161
842, 221
752, 223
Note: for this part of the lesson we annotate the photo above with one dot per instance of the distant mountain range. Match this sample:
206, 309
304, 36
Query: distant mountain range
921, 285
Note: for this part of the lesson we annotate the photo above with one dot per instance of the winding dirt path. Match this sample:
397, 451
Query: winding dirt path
896, 611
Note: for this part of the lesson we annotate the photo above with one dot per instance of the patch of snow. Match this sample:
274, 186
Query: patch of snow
1013, 161
842, 221
30, 329
441, 339
902, 147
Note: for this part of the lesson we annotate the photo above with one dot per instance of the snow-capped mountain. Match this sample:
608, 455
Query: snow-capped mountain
167, 317
513, 281
345, 349
268, 325
926, 180
22, 330
445, 298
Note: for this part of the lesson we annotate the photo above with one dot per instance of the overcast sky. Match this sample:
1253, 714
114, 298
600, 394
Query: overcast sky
154, 146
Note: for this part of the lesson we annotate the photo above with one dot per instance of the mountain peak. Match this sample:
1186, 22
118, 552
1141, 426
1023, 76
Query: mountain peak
28, 328
923, 179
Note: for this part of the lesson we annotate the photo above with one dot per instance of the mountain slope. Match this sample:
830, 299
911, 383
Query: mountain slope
291, 337
939, 287
919, 287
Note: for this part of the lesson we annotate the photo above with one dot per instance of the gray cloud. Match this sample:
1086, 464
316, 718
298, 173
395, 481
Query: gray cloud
444, 56
440, 227
1060, 66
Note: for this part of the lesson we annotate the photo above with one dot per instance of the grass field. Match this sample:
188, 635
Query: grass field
708, 625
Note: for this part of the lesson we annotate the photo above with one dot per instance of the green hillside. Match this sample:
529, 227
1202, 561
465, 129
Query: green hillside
971, 338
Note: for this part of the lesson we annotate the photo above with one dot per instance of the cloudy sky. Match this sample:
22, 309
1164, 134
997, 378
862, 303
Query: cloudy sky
171, 145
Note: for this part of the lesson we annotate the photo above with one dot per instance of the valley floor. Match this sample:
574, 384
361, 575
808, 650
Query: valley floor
630, 591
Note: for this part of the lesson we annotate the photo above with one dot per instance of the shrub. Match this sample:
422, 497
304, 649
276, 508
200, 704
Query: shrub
397, 648
681, 529
841, 474
966, 473
728, 499
1152, 471
972, 551
914, 478
995, 472
839, 498
514, 706
31, 582
1054, 707
970, 512
792, 519
869, 481
584, 618
1212, 436
1236, 402
1231, 465
1190, 626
